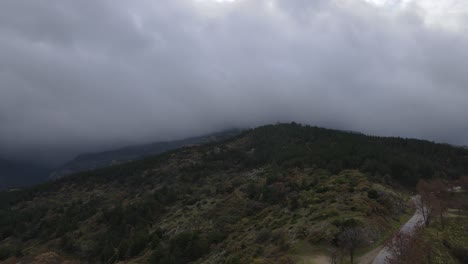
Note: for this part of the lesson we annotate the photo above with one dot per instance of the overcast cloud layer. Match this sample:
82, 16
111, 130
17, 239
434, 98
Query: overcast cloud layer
86, 75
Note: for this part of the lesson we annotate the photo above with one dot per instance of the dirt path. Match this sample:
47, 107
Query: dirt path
369, 257
408, 227
375, 256
318, 259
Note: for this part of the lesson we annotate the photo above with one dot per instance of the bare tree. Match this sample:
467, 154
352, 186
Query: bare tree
463, 182
441, 200
351, 238
433, 200
409, 248
423, 201
398, 247
335, 254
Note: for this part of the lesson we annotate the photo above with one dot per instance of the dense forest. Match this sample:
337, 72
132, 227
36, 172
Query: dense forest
402, 160
249, 198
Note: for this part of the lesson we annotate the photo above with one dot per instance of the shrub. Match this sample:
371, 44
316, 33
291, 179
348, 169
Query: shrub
5, 252
138, 243
372, 194
188, 246
9, 251
235, 259
216, 237
263, 236
461, 254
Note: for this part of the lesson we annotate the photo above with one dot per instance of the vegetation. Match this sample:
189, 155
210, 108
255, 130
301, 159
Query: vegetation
442, 238
92, 161
246, 199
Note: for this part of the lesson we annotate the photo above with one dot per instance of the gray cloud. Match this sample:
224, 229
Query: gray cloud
88, 75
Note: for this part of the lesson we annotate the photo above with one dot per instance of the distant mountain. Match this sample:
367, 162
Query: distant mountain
91, 161
17, 174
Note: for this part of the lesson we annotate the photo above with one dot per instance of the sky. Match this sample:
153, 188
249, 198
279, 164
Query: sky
90, 75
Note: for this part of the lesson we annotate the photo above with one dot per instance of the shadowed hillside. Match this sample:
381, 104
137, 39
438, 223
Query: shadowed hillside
257, 197
92, 161
19, 174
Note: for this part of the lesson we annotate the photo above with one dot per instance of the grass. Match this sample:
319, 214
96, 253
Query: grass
335, 208
395, 226
443, 240
305, 253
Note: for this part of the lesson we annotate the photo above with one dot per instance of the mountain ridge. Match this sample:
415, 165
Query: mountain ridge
96, 160
249, 198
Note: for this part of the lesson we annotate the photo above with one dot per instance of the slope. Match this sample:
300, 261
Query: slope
92, 161
256, 197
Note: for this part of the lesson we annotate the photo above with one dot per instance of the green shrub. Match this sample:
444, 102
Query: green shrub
216, 236
9, 251
373, 194
234, 259
461, 254
263, 236
5, 252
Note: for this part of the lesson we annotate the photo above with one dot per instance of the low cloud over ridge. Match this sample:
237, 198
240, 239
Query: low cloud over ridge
88, 75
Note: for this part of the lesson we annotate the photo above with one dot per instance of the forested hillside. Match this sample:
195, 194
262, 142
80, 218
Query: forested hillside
257, 197
92, 161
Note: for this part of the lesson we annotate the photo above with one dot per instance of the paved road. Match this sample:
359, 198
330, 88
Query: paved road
408, 227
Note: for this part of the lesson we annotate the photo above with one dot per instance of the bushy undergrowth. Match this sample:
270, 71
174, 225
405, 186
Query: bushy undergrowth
240, 200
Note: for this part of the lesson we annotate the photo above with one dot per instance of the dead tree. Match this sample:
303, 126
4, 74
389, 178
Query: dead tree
398, 247
433, 200
409, 248
463, 181
423, 201
351, 238
441, 200
336, 254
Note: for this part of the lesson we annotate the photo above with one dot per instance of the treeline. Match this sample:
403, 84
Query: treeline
404, 160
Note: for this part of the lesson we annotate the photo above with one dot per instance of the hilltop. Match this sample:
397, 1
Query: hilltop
261, 196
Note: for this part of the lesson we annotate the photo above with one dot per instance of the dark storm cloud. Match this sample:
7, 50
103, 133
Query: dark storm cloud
87, 75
